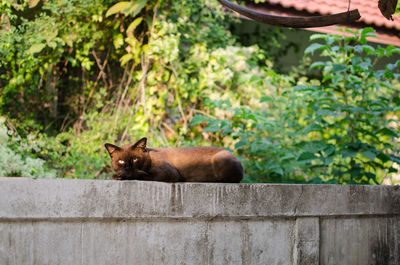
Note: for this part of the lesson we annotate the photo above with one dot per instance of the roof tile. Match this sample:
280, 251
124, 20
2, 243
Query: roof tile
370, 13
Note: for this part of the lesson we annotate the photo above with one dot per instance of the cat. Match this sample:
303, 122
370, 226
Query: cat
188, 164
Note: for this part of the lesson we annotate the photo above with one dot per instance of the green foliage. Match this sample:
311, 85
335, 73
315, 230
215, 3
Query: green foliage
77, 74
19, 155
44, 49
353, 112
263, 142
162, 53
343, 130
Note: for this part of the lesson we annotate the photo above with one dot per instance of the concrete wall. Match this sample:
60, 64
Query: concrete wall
59, 221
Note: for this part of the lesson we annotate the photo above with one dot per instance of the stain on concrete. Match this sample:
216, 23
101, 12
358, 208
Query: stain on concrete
380, 253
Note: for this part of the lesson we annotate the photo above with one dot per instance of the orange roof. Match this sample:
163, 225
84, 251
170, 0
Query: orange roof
388, 32
370, 13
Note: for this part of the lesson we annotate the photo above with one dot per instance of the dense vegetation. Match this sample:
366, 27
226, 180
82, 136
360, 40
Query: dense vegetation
76, 74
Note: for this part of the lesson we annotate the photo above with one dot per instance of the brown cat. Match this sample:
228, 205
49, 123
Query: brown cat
191, 164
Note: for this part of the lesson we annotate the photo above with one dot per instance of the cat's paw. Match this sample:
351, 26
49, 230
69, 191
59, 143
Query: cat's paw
116, 177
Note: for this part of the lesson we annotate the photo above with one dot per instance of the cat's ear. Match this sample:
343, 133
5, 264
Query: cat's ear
141, 144
112, 148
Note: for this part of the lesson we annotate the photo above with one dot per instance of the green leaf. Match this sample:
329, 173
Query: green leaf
314, 47
348, 152
128, 8
277, 169
318, 36
368, 49
118, 7
395, 159
312, 128
306, 156
366, 132
242, 143
287, 158
314, 146
33, 3
118, 41
329, 150
391, 66
225, 126
266, 99
393, 170
391, 50
396, 100
383, 157
260, 146
213, 126
52, 44
387, 132
198, 119
339, 68
305, 88
368, 153
136, 7
317, 65
36, 48
327, 77
325, 112
126, 58
316, 180
367, 32
134, 24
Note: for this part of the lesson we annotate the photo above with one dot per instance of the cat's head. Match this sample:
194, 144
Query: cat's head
129, 161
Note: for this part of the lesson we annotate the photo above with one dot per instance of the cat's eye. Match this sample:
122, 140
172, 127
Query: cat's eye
121, 162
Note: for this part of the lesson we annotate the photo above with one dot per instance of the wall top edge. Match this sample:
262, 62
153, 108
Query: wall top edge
67, 198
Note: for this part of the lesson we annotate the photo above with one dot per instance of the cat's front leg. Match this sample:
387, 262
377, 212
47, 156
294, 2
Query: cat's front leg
138, 174
167, 173
116, 177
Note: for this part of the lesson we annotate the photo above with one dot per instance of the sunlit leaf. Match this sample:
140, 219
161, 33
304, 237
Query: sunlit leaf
33, 3
36, 48
136, 7
317, 65
126, 58
134, 24
118, 7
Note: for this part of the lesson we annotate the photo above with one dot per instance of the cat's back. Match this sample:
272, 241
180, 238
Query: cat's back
186, 153
201, 150
200, 164
200, 155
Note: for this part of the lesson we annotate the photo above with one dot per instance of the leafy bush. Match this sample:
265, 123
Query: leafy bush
354, 111
46, 48
341, 130
18, 155
76, 74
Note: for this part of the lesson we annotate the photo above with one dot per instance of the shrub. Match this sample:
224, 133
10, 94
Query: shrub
343, 129
18, 155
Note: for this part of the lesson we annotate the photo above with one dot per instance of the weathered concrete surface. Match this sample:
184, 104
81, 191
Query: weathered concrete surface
62, 221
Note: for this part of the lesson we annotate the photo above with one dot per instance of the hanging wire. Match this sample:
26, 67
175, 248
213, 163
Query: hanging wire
348, 12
